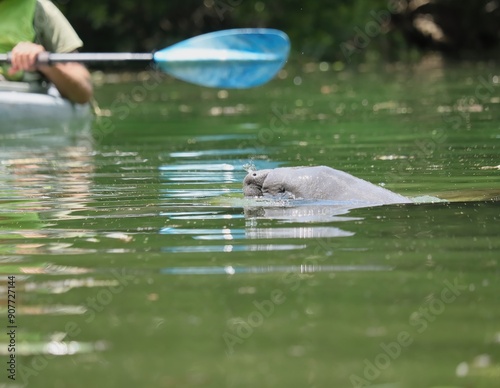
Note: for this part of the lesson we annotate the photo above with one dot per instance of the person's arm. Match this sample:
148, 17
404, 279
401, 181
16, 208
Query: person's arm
71, 79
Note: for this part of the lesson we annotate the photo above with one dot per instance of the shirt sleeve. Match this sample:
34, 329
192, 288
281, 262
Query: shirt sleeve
52, 29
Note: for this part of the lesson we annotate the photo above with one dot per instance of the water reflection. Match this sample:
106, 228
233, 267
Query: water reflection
296, 232
200, 215
217, 152
252, 232
301, 269
51, 310
63, 286
49, 184
232, 248
56, 347
300, 211
16, 265
184, 180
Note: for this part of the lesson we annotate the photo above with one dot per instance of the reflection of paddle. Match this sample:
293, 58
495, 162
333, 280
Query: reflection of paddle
240, 58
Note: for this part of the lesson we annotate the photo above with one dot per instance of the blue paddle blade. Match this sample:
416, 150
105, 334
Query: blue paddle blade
240, 58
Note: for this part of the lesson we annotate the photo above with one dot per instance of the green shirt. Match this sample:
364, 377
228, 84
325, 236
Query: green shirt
39, 21
16, 23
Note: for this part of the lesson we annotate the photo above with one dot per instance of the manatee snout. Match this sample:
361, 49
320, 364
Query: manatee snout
253, 182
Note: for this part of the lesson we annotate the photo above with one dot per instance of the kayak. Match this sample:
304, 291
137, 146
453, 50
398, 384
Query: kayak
24, 106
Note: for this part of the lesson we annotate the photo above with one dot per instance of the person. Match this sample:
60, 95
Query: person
30, 27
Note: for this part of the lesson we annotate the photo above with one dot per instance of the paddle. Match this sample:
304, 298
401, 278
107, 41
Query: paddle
239, 58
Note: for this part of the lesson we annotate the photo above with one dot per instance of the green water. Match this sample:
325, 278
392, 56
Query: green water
138, 263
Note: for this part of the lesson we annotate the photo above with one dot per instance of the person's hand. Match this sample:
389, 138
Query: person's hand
24, 56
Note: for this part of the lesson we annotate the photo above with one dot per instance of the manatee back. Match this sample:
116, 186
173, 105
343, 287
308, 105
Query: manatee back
322, 182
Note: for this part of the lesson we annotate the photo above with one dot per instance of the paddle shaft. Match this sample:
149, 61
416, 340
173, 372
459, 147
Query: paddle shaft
236, 59
50, 58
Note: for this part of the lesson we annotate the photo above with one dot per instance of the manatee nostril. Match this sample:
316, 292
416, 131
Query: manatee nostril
254, 174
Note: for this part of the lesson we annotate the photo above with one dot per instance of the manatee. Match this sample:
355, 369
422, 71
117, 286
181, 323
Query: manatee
317, 183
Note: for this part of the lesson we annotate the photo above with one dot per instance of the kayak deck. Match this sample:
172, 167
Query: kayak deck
23, 106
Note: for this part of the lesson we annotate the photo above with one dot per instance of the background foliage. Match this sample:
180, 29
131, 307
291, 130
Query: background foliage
340, 30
